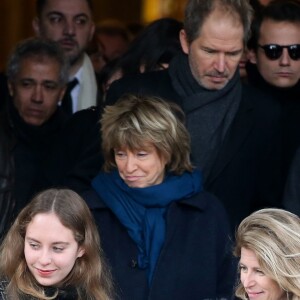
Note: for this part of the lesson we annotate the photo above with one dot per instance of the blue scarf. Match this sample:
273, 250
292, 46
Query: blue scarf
142, 210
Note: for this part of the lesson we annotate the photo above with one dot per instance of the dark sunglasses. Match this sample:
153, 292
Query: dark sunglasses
273, 51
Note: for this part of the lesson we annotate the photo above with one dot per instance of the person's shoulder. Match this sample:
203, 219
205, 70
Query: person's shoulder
92, 112
89, 117
141, 77
207, 206
92, 199
257, 95
263, 103
205, 201
146, 83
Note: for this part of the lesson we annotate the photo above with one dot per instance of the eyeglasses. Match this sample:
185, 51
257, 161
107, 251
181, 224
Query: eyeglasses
273, 51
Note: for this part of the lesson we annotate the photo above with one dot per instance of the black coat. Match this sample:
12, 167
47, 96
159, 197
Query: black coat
66, 294
289, 101
195, 261
25, 148
246, 173
76, 158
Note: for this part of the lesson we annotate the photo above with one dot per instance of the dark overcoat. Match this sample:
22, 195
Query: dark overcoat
195, 261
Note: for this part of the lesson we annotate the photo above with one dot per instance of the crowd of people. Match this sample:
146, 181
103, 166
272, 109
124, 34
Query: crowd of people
158, 164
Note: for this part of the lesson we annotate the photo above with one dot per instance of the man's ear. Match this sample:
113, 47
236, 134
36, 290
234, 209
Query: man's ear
61, 94
252, 56
184, 42
36, 26
92, 31
10, 88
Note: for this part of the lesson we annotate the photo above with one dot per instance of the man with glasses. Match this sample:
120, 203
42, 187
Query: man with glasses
275, 66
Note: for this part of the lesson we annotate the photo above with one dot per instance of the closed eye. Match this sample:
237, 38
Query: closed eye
120, 154
209, 50
234, 53
34, 246
50, 85
260, 272
58, 249
26, 83
142, 154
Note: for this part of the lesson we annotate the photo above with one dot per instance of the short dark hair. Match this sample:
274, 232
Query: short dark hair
37, 47
197, 11
40, 4
277, 10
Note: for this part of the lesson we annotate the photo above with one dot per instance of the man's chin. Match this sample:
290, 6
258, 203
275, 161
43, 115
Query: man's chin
73, 58
214, 85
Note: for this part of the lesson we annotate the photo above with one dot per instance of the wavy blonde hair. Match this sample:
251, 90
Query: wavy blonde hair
274, 236
89, 274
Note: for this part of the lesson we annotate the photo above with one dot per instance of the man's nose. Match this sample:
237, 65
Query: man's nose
69, 27
285, 59
37, 94
220, 62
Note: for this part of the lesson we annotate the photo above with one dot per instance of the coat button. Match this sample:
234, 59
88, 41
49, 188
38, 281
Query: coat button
133, 263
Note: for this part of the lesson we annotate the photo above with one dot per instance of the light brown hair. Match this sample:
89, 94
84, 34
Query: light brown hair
89, 274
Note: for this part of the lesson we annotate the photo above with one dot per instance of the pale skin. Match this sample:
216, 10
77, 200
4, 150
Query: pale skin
257, 284
36, 89
68, 22
50, 249
215, 54
283, 72
140, 168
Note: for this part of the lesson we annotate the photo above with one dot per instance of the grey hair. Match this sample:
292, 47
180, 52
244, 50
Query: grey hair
40, 48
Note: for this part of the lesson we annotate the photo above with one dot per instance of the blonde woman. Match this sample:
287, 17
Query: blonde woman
268, 245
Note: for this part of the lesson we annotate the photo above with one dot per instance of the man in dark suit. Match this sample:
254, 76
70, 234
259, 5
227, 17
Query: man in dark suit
234, 129
274, 67
70, 23
31, 123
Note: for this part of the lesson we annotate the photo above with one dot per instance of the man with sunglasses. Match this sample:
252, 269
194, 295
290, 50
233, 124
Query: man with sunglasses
275, 66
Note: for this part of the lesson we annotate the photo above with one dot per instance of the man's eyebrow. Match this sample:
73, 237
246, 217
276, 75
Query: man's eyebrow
62, 14
54, 13
26, 79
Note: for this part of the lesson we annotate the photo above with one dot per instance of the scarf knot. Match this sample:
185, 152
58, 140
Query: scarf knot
142, 210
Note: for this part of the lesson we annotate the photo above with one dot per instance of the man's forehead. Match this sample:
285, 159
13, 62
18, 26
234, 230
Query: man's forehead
74, 7
39, 59
31, 63
277, 29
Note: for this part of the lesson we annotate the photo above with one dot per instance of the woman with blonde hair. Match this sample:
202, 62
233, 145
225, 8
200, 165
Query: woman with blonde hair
52, 251
268, 245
